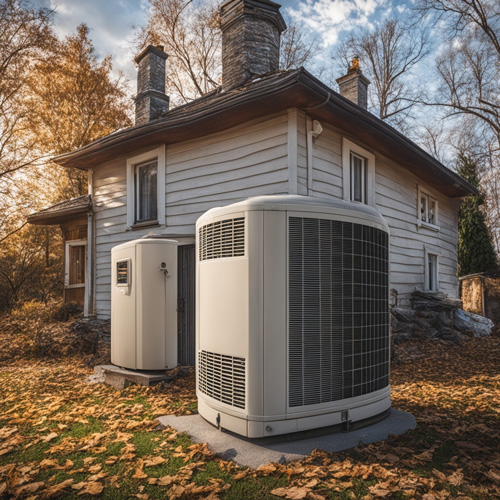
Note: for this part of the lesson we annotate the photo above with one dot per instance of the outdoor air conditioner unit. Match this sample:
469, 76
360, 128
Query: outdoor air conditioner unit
292, 323
144, 304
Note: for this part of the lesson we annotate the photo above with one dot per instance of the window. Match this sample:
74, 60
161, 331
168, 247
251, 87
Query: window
146, 189
76, 263
358, 178
431, 272
358, 173
427, 210
146, 184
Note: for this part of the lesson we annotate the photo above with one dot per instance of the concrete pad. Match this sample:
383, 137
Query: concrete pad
122, 378
253, 453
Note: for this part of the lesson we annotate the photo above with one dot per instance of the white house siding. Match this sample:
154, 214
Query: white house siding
396, 192
251, 160
216, 170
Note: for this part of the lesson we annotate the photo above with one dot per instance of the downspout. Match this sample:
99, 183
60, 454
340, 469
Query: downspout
309, 134
89, 307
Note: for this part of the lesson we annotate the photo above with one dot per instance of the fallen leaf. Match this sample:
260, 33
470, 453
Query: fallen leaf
91, 488
293, 493
50, 437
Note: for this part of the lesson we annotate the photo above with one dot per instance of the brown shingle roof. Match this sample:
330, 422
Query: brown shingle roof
262, 96
63, 211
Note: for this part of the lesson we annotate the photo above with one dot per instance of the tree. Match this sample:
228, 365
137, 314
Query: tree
475, 252
75, 99
469, 68
189, 31
388, 56
30, 266
25, 35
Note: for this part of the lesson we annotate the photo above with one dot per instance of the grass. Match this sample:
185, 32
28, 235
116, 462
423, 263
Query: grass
112, 438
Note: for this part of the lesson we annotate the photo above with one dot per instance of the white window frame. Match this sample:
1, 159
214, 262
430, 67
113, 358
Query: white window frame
74, 243
157, 155
349, 147
431, 251
421, 223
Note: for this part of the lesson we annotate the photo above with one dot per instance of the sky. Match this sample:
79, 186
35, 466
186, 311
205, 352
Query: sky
112, 21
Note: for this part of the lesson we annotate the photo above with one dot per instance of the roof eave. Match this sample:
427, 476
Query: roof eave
298, 89
56, 218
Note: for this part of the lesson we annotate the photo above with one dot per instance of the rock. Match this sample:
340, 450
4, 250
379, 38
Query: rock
466, 321
427, 314
431, 333
442, 320
405, 315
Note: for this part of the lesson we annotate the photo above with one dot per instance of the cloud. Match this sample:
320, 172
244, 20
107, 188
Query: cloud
111, 23
328, 19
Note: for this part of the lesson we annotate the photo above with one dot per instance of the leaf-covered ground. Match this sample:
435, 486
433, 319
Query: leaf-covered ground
61, 437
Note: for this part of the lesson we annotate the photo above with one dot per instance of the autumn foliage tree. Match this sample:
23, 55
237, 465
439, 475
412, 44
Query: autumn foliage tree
75, 99
475, 252
56, 97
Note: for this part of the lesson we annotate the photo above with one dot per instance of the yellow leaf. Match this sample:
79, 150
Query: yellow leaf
47, 462
54, 490
293, 493
378, 492
266, 468
49, 437
139, 474
92, 488
439, 475
456, 479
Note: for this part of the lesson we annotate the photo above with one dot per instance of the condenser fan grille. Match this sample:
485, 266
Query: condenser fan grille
338, 310
222, 377
225, 238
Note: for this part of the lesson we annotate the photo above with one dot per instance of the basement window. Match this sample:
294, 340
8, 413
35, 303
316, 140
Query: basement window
431, 271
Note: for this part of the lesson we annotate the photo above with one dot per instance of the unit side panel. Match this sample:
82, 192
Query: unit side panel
274, 303
255, 336
156, 299
123, 321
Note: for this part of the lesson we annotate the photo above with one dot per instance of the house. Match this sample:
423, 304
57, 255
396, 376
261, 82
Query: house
263, 132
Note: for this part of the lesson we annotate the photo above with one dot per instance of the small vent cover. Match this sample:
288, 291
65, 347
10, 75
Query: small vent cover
220, 239
338, 344
222, 377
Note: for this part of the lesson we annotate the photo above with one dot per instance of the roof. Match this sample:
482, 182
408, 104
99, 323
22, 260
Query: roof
63, 211
265, 95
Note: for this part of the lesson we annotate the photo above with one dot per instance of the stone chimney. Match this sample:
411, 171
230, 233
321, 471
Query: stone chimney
251, 32
151, 99
354, 85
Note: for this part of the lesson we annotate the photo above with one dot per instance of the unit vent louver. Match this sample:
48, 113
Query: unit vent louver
222, 377
338, 310
220, 239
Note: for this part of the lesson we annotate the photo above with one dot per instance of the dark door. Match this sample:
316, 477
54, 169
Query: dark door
186, 305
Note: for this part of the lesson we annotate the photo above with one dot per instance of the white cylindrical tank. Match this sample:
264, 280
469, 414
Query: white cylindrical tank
144, 304
292, 322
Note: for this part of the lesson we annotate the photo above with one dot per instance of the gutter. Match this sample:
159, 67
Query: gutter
266, 95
